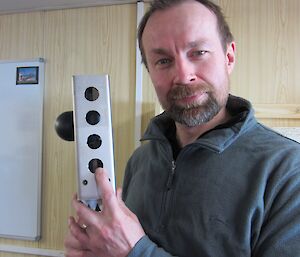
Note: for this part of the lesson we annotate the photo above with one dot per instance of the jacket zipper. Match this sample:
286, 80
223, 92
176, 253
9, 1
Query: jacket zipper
171, 176
164, 216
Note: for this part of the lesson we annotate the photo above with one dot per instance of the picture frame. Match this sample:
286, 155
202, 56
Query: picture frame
27, 75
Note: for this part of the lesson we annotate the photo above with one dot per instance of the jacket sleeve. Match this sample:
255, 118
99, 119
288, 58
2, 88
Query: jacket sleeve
280, 233
146, 248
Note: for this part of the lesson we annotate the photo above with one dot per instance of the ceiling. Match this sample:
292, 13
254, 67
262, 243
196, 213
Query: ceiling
14, 6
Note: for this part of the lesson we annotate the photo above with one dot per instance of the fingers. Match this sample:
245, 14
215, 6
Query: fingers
108, 196
86, 216
78, 238
111, 232
74, 249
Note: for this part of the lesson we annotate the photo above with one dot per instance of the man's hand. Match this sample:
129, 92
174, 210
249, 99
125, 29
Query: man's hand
113, 232
73, 248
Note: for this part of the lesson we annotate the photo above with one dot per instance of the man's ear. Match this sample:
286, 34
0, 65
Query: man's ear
230, 56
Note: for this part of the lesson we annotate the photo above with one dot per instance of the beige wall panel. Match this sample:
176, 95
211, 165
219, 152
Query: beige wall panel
75, 41
281, 122
21, 36
267, 37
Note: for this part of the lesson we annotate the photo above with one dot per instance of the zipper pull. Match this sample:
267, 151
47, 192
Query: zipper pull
171, 176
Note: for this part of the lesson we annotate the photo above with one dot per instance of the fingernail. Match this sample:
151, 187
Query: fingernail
99, 170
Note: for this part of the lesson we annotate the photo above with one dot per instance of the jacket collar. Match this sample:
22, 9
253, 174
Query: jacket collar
217, 139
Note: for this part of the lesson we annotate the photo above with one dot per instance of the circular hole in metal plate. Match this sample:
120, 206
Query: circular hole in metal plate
91, 93
94, 141
94, 164
93, 117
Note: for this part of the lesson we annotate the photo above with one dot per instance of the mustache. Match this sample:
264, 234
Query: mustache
181, 91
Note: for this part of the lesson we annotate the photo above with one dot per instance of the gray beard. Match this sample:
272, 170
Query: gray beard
195, 115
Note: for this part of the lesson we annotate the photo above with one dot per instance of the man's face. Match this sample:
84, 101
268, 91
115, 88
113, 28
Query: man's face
187, 63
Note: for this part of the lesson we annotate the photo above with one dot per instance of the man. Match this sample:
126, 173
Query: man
212, 181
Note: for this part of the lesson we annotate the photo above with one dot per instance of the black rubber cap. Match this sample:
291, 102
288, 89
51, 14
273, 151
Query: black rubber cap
64, 126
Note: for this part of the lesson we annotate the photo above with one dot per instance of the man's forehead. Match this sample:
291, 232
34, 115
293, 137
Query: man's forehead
188, 45
189, 8
193, 11
191, 22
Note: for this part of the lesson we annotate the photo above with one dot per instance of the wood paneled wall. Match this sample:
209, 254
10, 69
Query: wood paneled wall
102, 40
267, 70
74, 41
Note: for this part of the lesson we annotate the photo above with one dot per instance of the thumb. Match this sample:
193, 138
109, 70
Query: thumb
119, 194
121, 202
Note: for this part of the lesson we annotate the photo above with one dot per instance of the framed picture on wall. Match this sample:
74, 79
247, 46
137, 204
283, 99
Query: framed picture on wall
27, 75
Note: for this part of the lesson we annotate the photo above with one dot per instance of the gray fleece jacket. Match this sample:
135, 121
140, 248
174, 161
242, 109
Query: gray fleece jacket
234, 192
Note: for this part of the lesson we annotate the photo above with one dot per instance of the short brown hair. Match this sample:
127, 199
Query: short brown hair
159, 5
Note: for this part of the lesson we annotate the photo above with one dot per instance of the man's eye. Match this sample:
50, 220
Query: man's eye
198, 53
163, 61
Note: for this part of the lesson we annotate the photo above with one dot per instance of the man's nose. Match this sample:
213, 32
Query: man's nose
185, 72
